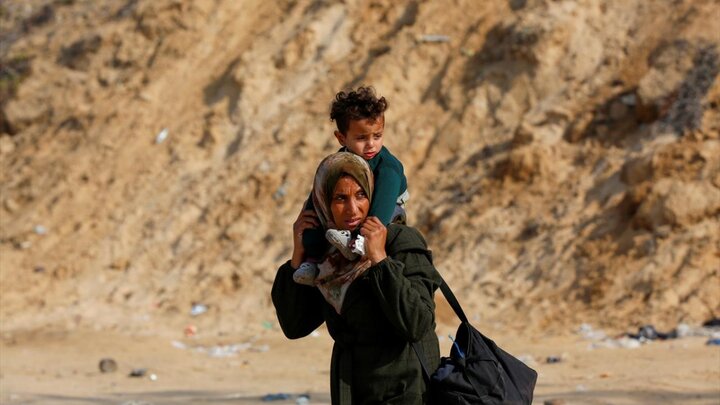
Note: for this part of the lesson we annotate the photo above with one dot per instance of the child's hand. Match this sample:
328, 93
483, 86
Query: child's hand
306, 219
375, 235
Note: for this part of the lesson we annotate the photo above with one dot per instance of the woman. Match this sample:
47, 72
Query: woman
386, 306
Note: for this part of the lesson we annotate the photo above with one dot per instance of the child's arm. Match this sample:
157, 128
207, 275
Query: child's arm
388, 181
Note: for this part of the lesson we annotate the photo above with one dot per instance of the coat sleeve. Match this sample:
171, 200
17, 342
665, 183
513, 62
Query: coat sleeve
404, 286
299, 308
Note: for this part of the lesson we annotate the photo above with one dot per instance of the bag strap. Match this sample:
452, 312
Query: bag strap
454, 304
450, 297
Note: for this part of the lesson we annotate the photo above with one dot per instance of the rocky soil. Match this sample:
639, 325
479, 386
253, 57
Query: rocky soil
563, 157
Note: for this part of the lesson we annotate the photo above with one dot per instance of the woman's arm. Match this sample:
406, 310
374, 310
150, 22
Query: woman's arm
299, 307
404, 286
404, 283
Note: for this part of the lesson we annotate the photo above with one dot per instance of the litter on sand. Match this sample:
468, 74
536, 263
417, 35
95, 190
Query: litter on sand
161, 136
434, 38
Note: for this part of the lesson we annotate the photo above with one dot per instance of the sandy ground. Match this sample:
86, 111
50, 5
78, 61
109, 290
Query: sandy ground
61, 368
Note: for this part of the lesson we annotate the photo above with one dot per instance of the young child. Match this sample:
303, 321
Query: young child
360, 119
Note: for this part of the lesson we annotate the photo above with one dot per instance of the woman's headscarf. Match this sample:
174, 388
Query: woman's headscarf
337, 273
331, 169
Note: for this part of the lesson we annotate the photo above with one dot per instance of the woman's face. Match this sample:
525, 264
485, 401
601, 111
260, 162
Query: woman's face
349, 204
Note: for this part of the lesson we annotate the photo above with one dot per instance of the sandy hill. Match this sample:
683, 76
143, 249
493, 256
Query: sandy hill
563, 156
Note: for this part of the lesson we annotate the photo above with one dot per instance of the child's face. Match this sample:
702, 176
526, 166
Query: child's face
363, 137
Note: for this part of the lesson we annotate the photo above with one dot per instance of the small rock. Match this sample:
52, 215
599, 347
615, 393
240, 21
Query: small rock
553, 359
618, 110
107, 365
137, 372
629, 99
11, 205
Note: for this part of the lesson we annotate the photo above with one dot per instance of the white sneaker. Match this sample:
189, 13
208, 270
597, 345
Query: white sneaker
358, 245
306, 274
341, 240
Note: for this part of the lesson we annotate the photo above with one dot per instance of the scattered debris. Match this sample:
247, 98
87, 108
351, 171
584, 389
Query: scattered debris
222, 350
161, 136
40, 230
587, 331
434, 38
275, 397
107, 365
190, 330
153, 377
713, 342
648, 332
645, 334
138, 372
553, 359
260, 349
198, 309
280, 192
303, 399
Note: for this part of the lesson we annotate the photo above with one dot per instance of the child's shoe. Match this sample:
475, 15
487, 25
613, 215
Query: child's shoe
358, 245
306, 274
341, 240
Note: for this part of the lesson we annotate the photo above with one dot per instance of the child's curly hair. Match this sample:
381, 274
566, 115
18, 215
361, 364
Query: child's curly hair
355, 105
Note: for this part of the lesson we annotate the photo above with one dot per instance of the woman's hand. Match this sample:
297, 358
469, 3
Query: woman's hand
375, 235
306, 219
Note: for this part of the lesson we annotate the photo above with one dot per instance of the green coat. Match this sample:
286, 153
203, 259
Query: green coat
385, 309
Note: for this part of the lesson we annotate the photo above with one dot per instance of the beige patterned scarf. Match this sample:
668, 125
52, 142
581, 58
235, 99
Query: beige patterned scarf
336, 272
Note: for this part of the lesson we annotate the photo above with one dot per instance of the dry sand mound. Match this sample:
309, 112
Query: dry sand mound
563, 156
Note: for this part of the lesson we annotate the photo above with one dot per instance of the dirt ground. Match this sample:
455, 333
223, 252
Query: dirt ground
62, 368
563, 159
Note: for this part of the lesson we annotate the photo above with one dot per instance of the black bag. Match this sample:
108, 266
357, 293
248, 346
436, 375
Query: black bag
477, 370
